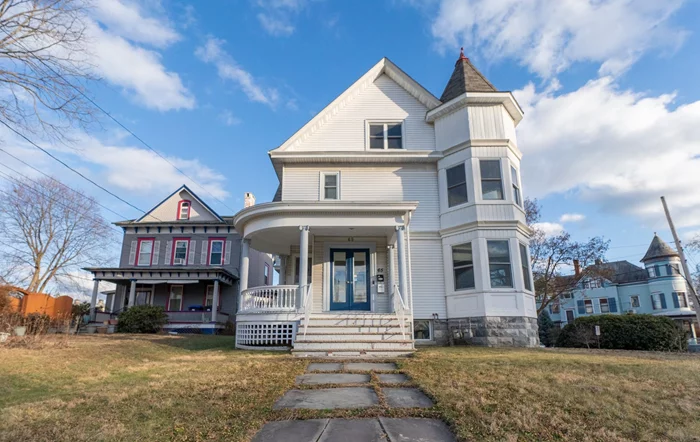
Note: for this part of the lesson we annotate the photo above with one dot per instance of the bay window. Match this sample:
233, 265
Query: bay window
456, 185
499, 264
463, 266
491, 180
525, 265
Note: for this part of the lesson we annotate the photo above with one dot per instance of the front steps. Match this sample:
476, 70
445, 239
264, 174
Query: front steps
353, 335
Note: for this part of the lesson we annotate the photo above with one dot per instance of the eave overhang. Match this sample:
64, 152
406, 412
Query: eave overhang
478, 98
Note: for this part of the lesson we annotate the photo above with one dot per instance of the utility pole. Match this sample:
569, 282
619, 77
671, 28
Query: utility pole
684, 263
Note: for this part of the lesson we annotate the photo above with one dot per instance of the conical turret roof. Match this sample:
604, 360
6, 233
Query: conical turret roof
659, 249
465, 78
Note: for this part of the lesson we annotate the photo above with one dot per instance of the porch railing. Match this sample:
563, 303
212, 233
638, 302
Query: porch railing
271, 298
401, 310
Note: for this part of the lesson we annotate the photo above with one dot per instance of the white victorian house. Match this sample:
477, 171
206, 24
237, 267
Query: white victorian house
398, 221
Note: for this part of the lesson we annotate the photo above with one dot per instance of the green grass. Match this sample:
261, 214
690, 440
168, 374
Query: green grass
158, 388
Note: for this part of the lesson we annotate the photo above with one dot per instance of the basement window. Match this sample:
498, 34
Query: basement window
422, 330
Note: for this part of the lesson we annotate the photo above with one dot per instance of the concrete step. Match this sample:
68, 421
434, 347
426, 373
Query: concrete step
350, 337
351, 353
355, 344
345, 321
351, 329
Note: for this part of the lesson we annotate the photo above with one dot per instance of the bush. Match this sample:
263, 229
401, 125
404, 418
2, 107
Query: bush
624, 332
142, 319
545, 326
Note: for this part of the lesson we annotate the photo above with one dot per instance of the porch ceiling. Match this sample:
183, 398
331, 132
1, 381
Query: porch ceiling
280, 240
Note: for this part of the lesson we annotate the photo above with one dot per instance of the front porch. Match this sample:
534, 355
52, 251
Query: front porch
337, 262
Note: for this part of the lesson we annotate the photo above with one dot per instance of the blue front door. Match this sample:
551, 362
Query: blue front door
350, 289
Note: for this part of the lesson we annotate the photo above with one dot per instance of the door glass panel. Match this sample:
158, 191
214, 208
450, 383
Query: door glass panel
339, 277
360, 277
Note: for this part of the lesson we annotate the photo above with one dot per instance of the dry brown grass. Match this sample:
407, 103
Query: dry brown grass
543, 395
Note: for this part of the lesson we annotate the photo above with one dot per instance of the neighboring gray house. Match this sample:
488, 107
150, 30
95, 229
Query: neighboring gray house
185, 257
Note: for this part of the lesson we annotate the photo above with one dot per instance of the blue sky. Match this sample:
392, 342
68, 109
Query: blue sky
609, 88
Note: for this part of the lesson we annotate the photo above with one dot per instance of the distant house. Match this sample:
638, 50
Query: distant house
658, 289
183, 256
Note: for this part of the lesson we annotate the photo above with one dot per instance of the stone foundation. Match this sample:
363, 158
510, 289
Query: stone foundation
488, 331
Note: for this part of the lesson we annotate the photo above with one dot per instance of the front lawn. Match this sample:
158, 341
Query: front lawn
157, 388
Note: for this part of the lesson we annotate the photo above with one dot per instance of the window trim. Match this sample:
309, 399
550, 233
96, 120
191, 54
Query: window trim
679, 296
654, 297
525, 266
515, 183
223, 250
500, 180
430, 330
187, 252
452, 257
386, 144
322, 186
600, 305
182, 297
639, 304
138, 251
448, 187
585, 306
510, 264
179, 209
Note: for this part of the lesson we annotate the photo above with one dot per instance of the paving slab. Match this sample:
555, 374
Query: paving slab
328, 398
370, 366
406, 398
416, 430
324, 366
332, 378
392, 378
291, 431
353, 430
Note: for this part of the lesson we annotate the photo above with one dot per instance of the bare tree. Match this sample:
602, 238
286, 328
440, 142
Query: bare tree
44, 66
551, 256
47, 231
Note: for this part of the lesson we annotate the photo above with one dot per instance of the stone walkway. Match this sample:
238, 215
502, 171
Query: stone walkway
351, 390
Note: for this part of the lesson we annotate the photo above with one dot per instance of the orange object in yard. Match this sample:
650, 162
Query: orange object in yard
42, 303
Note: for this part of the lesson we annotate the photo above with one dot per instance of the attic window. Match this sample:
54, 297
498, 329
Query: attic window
183, 209
385, 135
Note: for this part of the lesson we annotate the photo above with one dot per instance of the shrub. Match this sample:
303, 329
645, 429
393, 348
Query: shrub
142, 319
545, 326
624, 332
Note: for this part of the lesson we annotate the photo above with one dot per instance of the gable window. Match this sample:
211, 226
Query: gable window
175, 298
604, 306
456, 185
385, 136
180, 250
330, 183
266, 274
658, 301
216, 252
144, 252
634, 301
680, 299
491, 182
592, 284
588, 303
463, 266
183, 209
499, 264
516, 186
525, 265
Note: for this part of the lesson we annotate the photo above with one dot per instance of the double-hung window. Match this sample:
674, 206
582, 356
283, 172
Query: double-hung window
525, 265
491, 181
499, 264
145, 252
604, 307
175, 298
456, 185
385, 136
682, 300
588, 303
331, 185
516, 186
658, 301
183, 211
463, 266
180, 251
634, 301
209, 297
216, 252
653, 273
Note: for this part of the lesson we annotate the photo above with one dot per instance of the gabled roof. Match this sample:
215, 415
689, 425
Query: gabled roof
465, 78
383, 67
194, 197
659, 249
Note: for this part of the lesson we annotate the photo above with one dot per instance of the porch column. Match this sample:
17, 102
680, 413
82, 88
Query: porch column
283, 270
401, 248
132, 294
303, 260
243, 273
114, 296
390, 275
215, 301
93, 300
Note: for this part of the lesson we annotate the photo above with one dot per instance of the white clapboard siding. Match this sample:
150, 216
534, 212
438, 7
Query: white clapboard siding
193, 247
132, 253
168, 252
203, 258
156, 252
413, 182
227, 256
382, 100
427, 278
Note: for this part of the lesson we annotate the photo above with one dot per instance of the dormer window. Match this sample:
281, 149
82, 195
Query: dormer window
183, 209
385, 135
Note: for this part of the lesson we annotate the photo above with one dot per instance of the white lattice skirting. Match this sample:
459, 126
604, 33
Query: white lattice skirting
265, 334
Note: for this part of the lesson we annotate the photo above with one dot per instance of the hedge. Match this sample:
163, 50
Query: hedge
624, 332
142, 319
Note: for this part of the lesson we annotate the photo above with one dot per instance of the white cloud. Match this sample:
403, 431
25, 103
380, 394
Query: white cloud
548, 36
617, 148
276, 16
571, 218
228, 69
128, 20
228, 118
275, 26
549, 229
